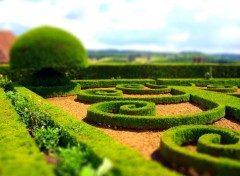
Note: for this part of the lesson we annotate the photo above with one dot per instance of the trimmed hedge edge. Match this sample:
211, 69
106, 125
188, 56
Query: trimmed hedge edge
100, 143
172, 152
102, 113
19, 154
90, 96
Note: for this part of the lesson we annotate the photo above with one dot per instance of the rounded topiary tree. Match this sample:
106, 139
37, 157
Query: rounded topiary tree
47, 47
44, 49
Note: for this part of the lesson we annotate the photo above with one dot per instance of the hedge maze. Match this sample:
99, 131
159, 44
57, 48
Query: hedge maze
217, 150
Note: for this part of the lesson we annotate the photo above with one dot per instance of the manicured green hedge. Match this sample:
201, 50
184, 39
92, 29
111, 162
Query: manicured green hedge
89, 96
47, 47
111, 82
211, 143
139, 89
102, 113
155, 86
53, 91
153, 71
230, 102
222, 88
172, 152
199, 81
19, 153
157, 71
126, 160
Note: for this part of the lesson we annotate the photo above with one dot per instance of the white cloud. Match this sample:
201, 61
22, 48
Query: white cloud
172, 20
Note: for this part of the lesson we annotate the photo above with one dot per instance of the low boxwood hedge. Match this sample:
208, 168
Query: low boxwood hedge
103, 113
172, 152
126, 161
155, 86
111, 82
19, 154
53, 91
90, 96
230, 102
198, 81
222, 88
140, 89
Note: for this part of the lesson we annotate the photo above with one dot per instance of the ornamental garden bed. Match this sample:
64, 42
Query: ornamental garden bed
135, 127
139, 133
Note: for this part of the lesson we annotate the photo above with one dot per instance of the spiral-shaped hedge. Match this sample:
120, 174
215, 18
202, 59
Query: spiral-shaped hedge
140, 89
218, 149
137, 115
222, 88
93, 96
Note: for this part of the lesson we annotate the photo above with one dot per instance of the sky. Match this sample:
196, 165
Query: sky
209, 26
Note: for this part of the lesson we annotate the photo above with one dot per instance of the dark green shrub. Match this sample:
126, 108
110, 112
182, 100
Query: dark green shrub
46, 77
47, 47
5, 83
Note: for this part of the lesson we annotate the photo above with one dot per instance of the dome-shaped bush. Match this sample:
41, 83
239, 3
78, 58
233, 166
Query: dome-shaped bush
47, 47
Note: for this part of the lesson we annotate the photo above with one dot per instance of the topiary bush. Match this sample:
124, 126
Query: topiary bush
47, 47
47, 50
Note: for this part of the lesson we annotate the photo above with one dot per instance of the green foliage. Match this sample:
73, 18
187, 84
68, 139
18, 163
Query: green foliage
155, 86
133, 71
139, 114
47, 139
140, 89
172, 152
96, 140
47, 47
5, 83
222, 88
55, 91
19, 154
111, 82
45, 77
29, 111
211, 143
155, 71
199, 81
76, 160
89, 96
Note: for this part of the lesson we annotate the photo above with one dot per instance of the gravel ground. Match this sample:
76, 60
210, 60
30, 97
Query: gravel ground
146, 142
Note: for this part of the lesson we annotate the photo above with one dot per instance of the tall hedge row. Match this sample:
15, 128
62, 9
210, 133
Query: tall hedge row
141, 71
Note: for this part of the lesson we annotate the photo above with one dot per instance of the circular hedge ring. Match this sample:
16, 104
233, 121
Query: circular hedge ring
222, 88
139, 89
102, 113
218, 149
